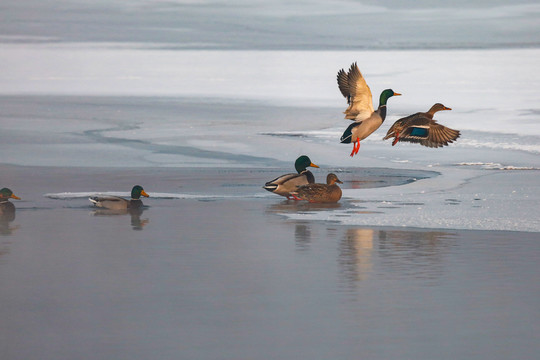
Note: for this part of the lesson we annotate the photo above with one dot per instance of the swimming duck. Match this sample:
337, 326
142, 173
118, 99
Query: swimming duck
421, 128
118, 203
320, 193
6, 207
284, 184
354, 88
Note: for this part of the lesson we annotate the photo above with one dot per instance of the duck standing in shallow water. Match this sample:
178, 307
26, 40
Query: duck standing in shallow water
320, 193
7, 209
354, 88
423, 129
284, 184
118, 203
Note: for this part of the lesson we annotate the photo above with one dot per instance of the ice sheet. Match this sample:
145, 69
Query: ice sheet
123, 107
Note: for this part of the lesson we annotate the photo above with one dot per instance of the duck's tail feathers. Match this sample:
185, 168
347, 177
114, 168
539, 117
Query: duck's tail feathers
95, 200
347, 135
270, 187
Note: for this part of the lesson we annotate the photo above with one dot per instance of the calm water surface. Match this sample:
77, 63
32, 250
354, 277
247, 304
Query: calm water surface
232, 279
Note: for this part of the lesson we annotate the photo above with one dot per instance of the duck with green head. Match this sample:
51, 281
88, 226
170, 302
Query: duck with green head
354, 88
119, 203
6, 207
423, 129
284, 184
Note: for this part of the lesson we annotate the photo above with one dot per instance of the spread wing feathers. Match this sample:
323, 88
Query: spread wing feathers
431, 135
401, 124
343, 84
354, 88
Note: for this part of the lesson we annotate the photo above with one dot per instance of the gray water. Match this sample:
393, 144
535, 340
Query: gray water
228, 277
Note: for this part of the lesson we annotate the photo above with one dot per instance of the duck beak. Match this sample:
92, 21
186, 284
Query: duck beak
447, 108
313, 165
397, 94
339, 181
143, 193
15, 197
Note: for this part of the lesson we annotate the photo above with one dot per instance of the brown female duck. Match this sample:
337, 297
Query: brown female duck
320, 193
423, 129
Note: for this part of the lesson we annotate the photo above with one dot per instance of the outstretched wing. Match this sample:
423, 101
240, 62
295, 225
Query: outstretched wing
440, 135
360, 99
399, 127
343, 84
429, 133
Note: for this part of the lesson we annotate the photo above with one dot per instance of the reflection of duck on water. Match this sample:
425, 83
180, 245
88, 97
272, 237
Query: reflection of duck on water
356, 254
136, 222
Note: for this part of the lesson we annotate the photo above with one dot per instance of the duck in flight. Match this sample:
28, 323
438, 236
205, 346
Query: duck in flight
354, 88
421, 128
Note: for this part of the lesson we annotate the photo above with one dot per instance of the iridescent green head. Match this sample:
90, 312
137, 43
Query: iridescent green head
6, 193
302, 163
387, 94
137, 191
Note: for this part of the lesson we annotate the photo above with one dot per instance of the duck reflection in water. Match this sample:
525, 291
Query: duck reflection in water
136, 222
417, 253
292, 206
355, 255
7, 211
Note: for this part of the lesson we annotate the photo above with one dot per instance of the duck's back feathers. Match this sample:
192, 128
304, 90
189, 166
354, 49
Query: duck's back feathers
320, 193
115, 202
284, 184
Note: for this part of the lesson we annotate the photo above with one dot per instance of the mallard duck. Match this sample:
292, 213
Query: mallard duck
284, 184
354, 88
118, 203
6, 207
421, 128
320, 193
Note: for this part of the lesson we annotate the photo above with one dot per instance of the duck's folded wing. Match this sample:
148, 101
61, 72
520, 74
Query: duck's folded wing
360, 99
100, 200
311, 190
282, 179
